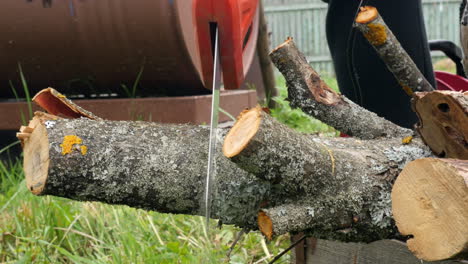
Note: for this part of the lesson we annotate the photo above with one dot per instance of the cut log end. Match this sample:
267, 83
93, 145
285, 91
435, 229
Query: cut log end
429, 202
242, 132
36, 159
265, 225
367, 14
286, 42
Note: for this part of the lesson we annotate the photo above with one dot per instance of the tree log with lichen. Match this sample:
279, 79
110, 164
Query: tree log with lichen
336, 187
162, 168
140, 164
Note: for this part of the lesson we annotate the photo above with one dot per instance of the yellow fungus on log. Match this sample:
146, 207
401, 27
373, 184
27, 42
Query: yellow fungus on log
407, 90
377, 35
407, 140
84, 150
68, 142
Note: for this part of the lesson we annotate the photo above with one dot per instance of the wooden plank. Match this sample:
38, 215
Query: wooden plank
381, 252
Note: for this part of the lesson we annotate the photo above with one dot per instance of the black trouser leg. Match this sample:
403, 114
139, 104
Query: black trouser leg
361, 74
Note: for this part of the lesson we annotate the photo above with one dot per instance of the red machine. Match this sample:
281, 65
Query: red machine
95, 46
235, 20
90, 49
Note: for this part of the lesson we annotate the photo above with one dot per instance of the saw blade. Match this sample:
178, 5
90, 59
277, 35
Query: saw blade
211, 168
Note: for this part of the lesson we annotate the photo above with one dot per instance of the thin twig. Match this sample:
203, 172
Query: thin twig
238, 237
287, 250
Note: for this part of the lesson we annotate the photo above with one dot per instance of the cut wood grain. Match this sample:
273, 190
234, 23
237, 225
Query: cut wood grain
430, 203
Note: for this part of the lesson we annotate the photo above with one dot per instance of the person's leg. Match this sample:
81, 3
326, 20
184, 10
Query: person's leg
361, 74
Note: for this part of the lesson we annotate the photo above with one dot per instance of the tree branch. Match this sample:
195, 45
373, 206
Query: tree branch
308, 92
374, 29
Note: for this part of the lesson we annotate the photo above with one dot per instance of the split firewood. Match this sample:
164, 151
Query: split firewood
311, 94
327, 181
430, 204
374, 29
443, 122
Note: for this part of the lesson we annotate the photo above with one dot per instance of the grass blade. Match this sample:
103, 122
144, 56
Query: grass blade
26, 89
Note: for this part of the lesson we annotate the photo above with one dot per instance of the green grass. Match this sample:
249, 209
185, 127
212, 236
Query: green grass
57, 230
445, 64
24, 85
133, 92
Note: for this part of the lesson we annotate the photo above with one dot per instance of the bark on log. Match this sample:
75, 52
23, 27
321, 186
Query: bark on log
58, 104
308, 92
374, 29
330, 181
140, 164
263, 49
430, 203
443, 122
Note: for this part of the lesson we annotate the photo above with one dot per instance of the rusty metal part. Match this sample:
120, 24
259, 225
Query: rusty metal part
184, 109
82, 46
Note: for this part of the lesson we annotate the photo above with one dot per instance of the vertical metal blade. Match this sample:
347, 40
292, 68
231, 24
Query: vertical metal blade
211, 171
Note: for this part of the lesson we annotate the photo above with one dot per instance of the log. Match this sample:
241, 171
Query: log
311, 94
140, 164
374, 29
162, 167
325, 181
443, 122
430, 204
